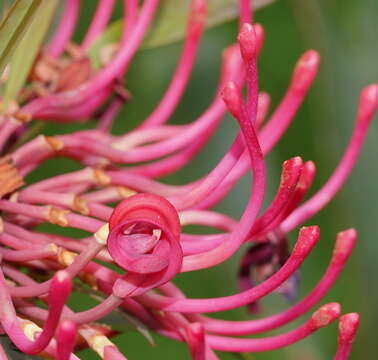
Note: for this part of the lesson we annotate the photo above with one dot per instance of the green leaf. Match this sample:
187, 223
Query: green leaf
170, 23
13, 27
27, 49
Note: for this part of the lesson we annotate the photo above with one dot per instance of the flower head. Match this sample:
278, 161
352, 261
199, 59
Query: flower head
143, 237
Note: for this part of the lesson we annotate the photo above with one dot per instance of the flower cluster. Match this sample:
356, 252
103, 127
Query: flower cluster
142, 236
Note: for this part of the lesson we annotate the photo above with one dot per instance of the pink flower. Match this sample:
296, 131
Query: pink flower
143, 236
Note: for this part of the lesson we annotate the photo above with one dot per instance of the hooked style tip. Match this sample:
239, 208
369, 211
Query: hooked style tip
232, 98
308, 236
345, 242
348, 326
325, 315
289, 168
368, 101
61, 286
247, 41
305, 70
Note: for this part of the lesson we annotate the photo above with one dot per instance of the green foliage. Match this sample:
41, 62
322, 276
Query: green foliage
27, 49
13, 27
170, 22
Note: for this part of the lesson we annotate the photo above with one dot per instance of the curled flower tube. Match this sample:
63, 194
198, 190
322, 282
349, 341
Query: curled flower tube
143, 239
60, 290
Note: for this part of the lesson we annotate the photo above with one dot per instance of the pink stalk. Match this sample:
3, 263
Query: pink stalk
306, 241
109, 115
59, 292
96, 312
367, 106
65, 28
246, 13
263, 104
348, 326
195, 337
66, 339
173, 94
33, 152
100, 20
139, 137
53, 215
322, 317
291, 172
14, 242
129, 20
86, 175
30, 254
58, 109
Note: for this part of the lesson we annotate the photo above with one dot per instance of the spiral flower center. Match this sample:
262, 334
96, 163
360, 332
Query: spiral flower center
144, 239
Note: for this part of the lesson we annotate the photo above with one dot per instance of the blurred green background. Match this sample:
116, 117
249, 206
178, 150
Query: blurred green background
345, 32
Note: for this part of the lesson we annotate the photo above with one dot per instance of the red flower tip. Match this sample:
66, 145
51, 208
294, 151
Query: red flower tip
289, 166
308, 236
260, 36
345, 242
325, 315
348, 326
61, 286
231, 62
248, 41
309, 170
66, 338
233, 99
198, 13
262, 108
368, 101
305, 70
